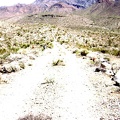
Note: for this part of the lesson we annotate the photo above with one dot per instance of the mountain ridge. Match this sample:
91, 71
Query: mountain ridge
49, 5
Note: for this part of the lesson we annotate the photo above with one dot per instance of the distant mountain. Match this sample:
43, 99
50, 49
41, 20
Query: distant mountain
49, 5
76, 3
18, 9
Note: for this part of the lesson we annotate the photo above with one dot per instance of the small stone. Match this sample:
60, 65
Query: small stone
97, 70
14, 57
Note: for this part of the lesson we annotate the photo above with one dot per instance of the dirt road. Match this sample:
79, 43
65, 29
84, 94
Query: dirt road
61, 92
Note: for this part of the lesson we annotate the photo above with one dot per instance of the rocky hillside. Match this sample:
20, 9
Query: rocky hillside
76, 3
19, 9
48, 5
106, 14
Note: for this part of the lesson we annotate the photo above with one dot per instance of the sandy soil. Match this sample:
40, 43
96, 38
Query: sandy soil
70, 92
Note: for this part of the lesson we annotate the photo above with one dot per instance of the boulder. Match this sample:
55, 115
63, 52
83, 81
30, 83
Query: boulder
15, 66
6, 68
106, 65
116, 78
10, 67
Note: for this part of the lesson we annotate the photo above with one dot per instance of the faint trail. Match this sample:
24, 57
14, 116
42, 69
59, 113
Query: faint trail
71, 97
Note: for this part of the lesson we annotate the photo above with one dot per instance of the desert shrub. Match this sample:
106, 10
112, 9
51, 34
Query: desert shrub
50, 45
3, 56
109, 42
14, 49
107, 58
61, 41
84, 52
25, 45
58, 63
76, 52
2, 50
115, 52
1, 34
49, 81
22, 65
104, 51
19, 33
100, 49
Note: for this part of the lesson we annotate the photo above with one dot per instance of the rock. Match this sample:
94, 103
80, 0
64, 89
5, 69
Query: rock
94, 56
104, 60
31, 56
116, 77
84, 52
106, 65
10, 67
15, 66
25, 61
14, 57
6, 68
97, 70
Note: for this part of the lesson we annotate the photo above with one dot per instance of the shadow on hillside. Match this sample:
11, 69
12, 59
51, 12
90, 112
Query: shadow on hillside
39, 117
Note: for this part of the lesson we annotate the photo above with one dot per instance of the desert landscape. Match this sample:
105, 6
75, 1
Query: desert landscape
60, 60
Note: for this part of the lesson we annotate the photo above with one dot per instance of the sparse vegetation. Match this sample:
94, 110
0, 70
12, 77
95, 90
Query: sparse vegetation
20, 44
49, 81
38, 117
22, 65
58, 63
93, 37
82, 37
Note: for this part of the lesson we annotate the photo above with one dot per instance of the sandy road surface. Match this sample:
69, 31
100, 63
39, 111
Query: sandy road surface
70, 96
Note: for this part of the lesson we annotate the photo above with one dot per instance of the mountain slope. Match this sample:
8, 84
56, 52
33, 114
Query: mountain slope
50, 5
62, 7
18, 9
105, 14
76, 3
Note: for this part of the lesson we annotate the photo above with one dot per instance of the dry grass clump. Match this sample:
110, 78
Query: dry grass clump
22, 65
39, 117
58, 63
49, 81
82, 52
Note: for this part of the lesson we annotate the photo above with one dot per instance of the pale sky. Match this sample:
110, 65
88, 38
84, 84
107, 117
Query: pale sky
13, 2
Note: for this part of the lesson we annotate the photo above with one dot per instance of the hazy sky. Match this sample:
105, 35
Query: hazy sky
13, 2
